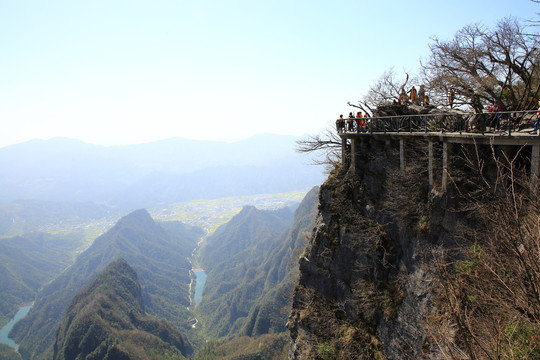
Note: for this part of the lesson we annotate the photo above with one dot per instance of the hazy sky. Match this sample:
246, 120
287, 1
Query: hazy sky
121, 72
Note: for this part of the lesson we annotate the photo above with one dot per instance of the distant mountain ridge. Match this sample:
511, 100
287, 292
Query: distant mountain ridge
70, 170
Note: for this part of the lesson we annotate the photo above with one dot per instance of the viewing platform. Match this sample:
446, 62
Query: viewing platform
515, 129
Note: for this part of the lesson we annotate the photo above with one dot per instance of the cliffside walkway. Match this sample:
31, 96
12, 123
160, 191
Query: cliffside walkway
515, 129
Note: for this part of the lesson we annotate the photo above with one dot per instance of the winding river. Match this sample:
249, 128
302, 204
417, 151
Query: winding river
4, 339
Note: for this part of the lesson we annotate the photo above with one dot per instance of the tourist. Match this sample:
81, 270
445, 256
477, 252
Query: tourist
414, 96
340, 124
422, 95
403, 99
494, 117
537, 122
350, 122
359, 121
366, 120
426, 100
451, 98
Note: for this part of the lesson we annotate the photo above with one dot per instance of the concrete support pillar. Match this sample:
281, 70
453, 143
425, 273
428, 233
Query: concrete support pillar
354, 153
445, 165
343, 150
534, 165
401, 155
430, 163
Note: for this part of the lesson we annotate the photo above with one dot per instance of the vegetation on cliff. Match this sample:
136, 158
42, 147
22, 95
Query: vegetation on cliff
489, 283
396, 269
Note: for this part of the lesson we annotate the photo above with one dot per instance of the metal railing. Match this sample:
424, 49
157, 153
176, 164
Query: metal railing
507, 121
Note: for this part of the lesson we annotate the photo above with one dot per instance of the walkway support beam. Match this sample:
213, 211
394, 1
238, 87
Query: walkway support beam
534, 165
445, 165
343, 149
401, 155
430, 163
354, 153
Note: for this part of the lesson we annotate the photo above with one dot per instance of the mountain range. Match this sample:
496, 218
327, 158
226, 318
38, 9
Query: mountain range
143, 175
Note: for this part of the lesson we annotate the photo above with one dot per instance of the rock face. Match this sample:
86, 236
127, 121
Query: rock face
365, 287
105, 320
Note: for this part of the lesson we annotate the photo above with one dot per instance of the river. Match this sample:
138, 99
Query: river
4, 339
200, 280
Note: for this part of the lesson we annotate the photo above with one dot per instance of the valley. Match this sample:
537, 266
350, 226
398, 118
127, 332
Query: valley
208, 214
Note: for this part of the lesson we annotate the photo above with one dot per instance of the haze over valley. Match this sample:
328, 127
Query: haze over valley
60, 195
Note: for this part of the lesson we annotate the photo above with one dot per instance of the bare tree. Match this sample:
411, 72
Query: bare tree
327, 145
482, 66
490, 288
386, 89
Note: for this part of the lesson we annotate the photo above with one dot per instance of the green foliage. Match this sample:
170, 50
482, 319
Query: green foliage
326, 351
250, 263
523, 340
266, 347
28, 262
158, 256
105, 319
7, 353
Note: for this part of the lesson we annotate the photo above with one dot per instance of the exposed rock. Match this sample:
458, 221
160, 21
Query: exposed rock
366, 283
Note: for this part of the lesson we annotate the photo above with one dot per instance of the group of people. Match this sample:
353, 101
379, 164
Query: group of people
352, 123
415, 97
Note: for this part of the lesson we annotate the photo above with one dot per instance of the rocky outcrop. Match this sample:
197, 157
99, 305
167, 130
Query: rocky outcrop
365, 288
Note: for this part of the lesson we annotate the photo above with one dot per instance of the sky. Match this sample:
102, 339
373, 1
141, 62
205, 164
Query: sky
118, 72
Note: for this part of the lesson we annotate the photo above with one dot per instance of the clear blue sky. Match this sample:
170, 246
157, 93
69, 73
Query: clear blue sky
117, 72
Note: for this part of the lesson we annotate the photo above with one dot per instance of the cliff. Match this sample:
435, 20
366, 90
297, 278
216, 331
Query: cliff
397, 270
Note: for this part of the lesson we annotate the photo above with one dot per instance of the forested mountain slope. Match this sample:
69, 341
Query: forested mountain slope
158, 257
27, 263
106, 320
249, 263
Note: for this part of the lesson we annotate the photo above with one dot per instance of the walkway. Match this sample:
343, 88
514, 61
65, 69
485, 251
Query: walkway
447, 129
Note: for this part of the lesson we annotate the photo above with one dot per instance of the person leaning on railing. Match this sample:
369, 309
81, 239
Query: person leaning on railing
359, 121
350, 122
494, 116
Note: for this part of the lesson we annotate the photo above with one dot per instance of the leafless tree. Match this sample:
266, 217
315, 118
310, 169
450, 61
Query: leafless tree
490, 291
327, 145
386, 89
481, 66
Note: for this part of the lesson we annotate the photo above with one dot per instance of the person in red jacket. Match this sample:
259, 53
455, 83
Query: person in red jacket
359, 121
494, 116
